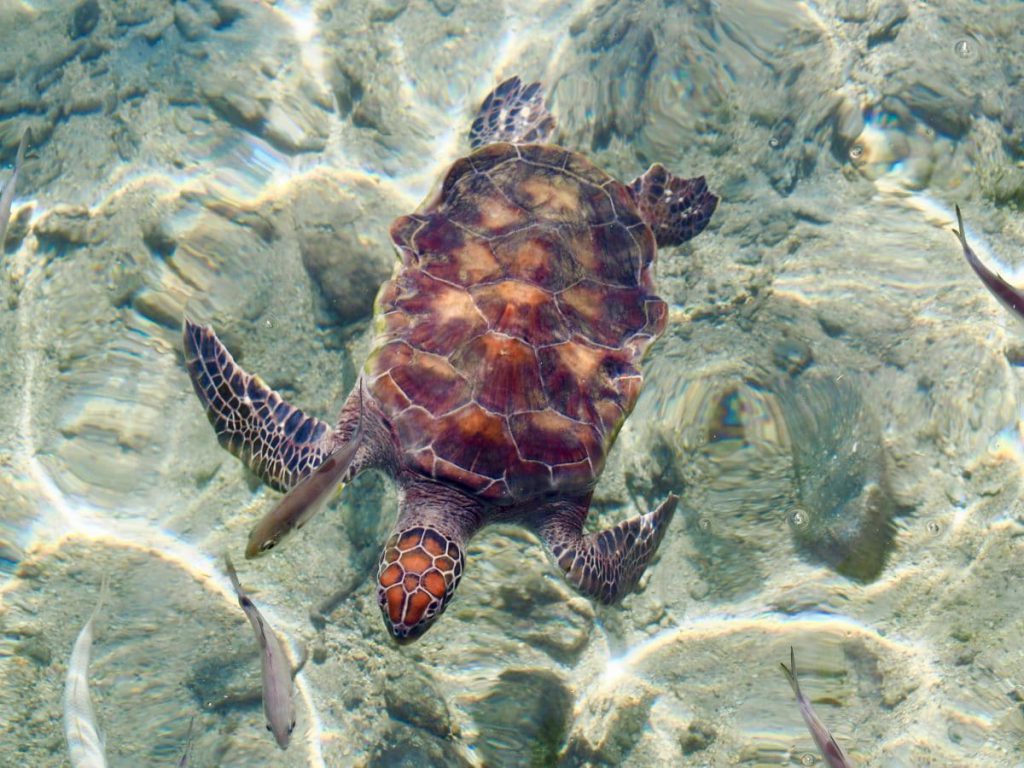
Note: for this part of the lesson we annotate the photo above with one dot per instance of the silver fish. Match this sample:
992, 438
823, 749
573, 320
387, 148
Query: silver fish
278, 695
85, 744
1010, 297
308, 497
7, 196
183, 761
827, 745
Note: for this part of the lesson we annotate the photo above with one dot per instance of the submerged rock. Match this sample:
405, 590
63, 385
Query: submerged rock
412, 697
610, 725
841, 473
338, 228
524, 718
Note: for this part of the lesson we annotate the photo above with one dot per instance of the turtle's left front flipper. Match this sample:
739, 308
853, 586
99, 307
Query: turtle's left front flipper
605, 565
275, 439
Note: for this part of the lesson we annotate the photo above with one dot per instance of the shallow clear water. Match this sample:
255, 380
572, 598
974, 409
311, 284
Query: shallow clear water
837, 399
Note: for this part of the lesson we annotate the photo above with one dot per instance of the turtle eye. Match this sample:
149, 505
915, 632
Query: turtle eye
269, 728
267, 545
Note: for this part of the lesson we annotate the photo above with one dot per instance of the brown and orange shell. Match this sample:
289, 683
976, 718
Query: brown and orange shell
509, 339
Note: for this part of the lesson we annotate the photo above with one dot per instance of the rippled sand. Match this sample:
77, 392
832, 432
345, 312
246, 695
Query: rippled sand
837, 399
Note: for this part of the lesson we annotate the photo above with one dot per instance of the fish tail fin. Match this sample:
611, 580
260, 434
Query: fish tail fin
21, 149
960, 227
790, 673
104, 598
233, 575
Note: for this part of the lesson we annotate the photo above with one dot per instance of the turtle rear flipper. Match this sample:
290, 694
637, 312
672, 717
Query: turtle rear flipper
512, 112
675, 209
605, 565
275, 439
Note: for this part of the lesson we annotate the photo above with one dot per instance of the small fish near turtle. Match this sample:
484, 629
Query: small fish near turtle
505, 360
1009, 296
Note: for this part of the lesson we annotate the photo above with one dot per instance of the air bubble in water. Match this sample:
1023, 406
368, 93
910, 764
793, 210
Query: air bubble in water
799, 518
773, 142
933, 528
856, 151
704, 524
808, 759
964, 49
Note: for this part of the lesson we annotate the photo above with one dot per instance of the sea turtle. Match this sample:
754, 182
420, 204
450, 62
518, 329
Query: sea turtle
506, 358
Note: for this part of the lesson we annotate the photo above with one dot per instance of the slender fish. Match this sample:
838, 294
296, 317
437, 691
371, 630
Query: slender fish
308, 497
826, 743
7, 196
183, 761
85, 744
278, 702
1009, 297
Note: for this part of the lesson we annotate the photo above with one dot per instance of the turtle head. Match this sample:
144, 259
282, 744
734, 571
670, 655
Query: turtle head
419, 571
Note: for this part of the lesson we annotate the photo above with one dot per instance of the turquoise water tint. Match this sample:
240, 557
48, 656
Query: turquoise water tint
837, 399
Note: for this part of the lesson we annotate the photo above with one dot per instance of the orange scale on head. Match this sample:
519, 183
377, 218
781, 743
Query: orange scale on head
416, 561
418, 603
444, 563
434, 583
409, 540
391, 575
410, 582
396, 601
433, 543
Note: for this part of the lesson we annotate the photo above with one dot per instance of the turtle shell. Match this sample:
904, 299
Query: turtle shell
509, 338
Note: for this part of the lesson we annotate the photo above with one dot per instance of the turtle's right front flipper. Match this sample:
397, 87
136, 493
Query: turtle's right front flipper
276, 440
